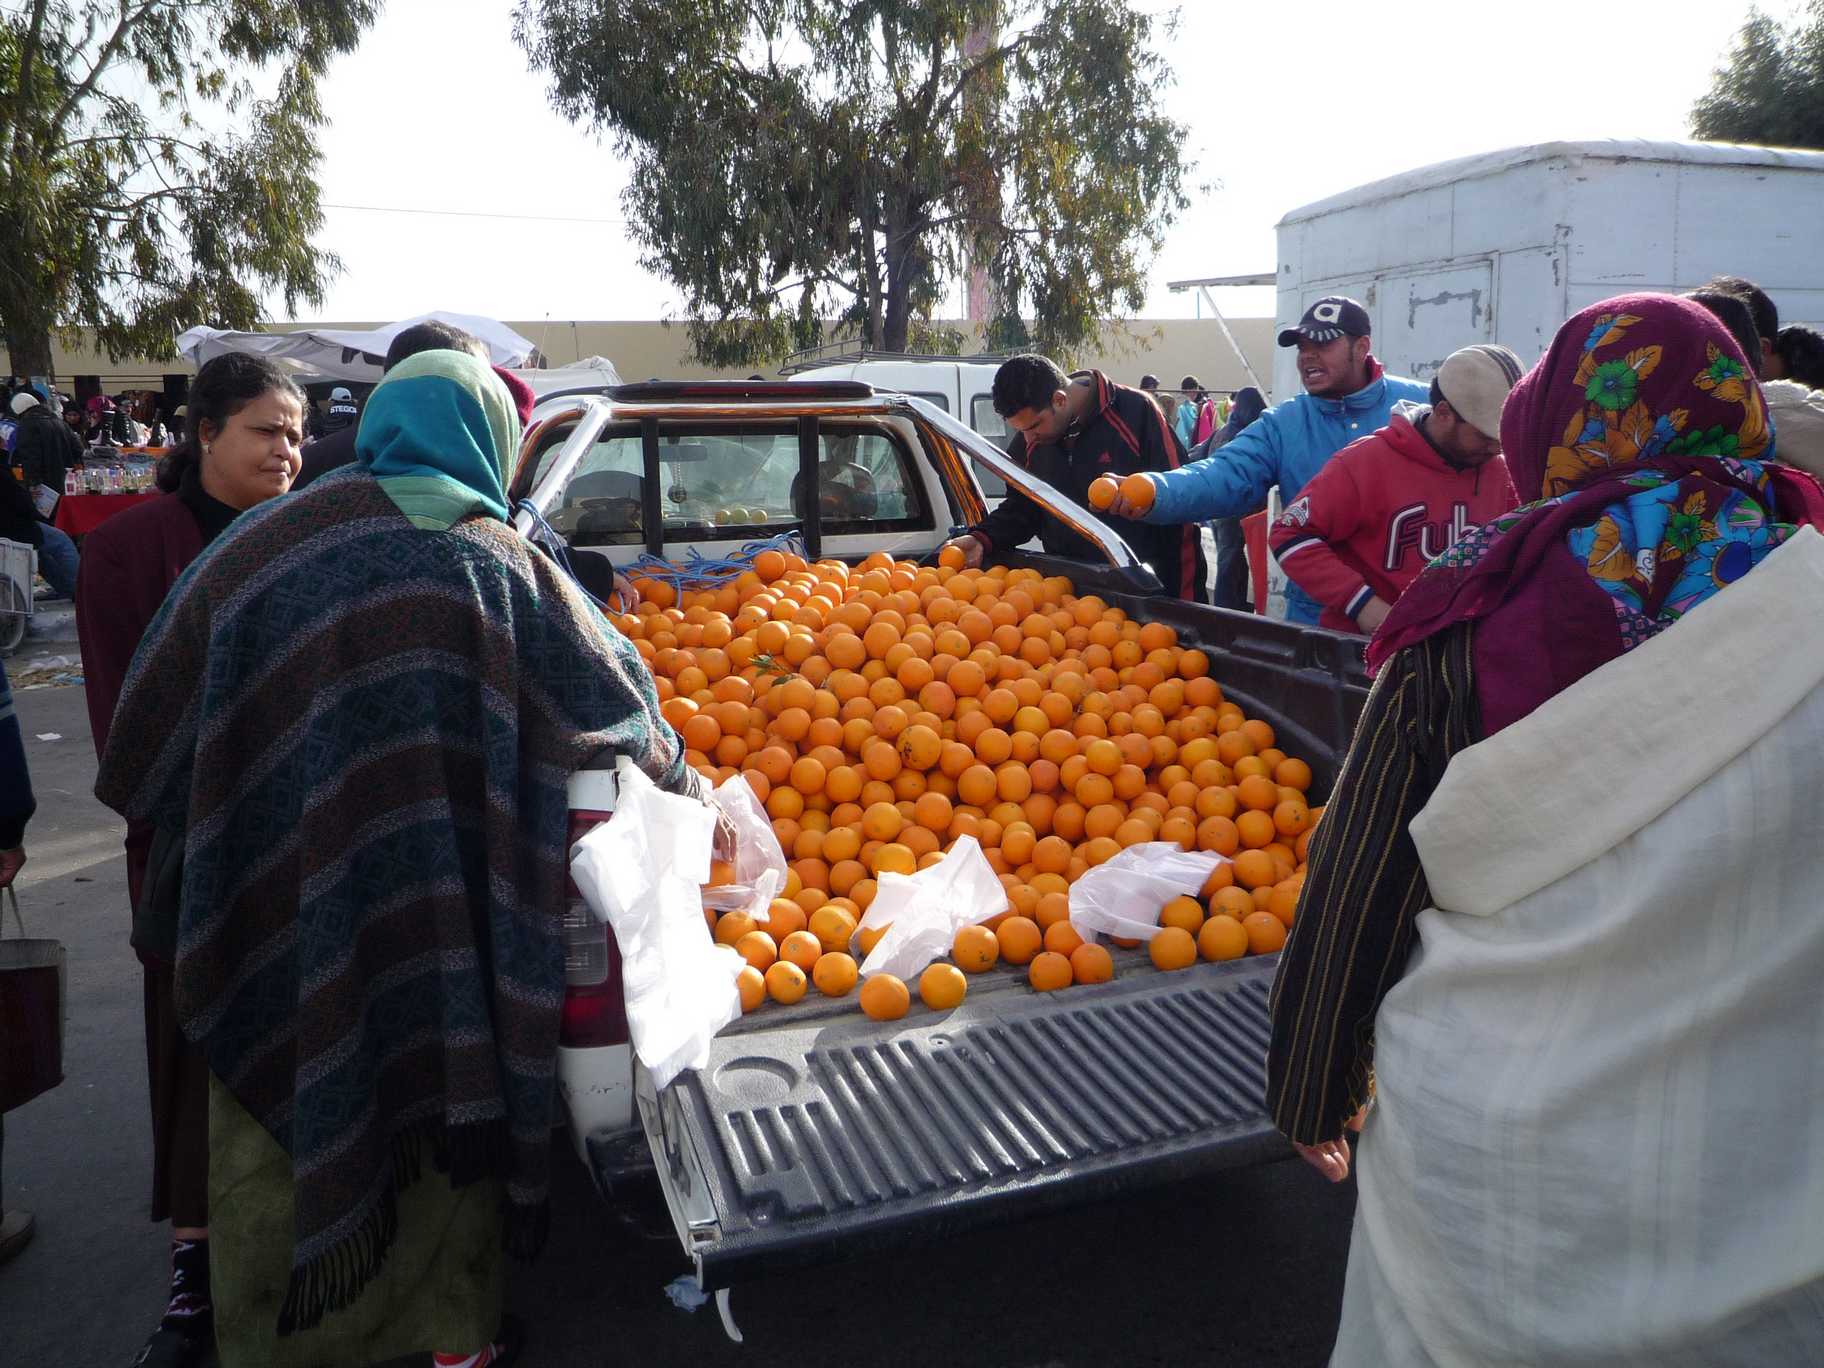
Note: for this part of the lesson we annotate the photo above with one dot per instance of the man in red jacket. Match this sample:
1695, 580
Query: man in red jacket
1384, 506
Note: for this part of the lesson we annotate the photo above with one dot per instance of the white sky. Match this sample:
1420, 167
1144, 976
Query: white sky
1285, 105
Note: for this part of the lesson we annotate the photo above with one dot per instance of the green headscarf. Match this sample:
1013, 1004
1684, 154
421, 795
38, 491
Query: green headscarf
439, 434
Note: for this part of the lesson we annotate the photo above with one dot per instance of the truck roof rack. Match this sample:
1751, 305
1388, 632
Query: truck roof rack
839, 353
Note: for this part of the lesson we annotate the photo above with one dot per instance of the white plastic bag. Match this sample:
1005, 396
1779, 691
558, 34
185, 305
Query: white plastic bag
642, 873
1123, 896
759, 860
925, 910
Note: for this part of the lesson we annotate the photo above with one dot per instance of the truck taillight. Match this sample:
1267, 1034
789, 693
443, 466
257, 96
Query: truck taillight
594, 1011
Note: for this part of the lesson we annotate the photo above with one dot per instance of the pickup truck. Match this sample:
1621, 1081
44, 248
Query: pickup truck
816, 1134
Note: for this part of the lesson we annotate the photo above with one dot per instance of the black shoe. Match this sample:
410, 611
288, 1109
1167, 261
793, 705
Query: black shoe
16, 1229
170, 1348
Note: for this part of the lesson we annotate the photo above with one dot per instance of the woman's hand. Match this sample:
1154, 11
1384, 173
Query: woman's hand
1331, 1158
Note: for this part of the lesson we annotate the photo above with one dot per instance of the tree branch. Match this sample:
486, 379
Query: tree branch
128, 18
28, 65
974, 69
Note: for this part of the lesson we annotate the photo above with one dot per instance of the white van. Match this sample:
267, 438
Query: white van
1503, 247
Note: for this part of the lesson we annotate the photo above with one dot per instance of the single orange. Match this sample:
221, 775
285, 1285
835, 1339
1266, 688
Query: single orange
1255, 828
832, 925
785, 982
802, 949
1139, 490
1049, 972
1091, 964
975, 949
1020, 939
1052, 908
1183, 912
1173, 948
942, 986
1255, 869
885, 998
1062, 938
752, 986
1266, 933
1222, 938
758, 949
731, 926
834, 974
1102, 491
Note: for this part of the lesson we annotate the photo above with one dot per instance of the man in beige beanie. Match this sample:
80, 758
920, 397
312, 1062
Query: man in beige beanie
1385, 506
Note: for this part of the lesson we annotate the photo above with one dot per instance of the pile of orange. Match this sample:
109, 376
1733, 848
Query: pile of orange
883, 711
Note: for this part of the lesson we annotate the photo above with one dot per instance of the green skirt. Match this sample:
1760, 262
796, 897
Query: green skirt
440, 1288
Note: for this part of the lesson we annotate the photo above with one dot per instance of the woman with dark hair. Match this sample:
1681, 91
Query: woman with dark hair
364, 704
246, 423
1561, 917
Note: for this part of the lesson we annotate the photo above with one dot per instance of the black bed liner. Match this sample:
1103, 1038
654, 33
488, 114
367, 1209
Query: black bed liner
816, 1134
837, 1137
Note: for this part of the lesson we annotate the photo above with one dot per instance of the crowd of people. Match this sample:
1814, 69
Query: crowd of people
1377, 473
338, 713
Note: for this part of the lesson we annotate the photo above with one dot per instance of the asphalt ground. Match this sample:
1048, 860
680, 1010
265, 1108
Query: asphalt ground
1242, 1269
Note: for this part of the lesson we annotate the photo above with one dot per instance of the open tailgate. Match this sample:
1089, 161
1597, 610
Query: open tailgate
829, 1135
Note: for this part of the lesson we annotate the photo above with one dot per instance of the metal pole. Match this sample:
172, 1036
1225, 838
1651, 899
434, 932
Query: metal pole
1223, 323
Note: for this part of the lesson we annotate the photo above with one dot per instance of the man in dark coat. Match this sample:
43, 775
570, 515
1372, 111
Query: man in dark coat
43, 447
1068, 432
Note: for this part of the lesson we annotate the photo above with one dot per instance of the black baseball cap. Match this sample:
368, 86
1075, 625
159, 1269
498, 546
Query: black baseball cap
1331, 317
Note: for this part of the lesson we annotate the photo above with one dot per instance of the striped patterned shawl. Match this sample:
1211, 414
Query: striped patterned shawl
365, 730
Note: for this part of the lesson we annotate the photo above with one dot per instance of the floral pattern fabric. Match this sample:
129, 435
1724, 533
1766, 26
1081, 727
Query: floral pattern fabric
1647, 449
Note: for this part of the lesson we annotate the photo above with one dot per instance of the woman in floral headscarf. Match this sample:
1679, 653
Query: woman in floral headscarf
1560, 918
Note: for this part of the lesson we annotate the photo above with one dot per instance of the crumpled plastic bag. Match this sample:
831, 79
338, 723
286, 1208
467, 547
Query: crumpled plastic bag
642, 873
925, 910
760, 867
1123, 896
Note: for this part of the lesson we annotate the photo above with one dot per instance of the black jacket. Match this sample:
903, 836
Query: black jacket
45, 445
1125, 432
324, 455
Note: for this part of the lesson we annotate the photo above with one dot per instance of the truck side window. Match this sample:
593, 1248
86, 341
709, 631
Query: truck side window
991, 425
602, 500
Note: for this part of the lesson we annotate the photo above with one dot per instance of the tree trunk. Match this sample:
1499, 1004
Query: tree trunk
897, 323
30, 351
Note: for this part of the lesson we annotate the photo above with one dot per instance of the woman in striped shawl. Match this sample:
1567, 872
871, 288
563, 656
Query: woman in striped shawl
361, 706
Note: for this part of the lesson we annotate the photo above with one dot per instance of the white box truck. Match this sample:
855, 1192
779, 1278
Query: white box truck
1503, 247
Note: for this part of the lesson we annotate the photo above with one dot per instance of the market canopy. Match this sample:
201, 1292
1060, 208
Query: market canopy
348, 353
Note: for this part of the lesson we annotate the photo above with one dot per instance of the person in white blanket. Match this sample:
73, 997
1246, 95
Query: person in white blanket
1562, 919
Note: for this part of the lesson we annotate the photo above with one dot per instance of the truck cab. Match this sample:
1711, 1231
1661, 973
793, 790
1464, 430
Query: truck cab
816, 1133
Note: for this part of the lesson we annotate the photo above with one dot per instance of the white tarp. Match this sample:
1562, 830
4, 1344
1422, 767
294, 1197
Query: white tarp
590, 371
349, 354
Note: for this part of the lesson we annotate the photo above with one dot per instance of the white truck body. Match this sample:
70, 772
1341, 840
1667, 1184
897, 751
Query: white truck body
1503, 247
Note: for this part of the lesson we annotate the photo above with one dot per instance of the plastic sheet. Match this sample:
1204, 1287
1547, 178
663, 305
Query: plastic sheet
925, 910
642, 873
1123, 896
760, 866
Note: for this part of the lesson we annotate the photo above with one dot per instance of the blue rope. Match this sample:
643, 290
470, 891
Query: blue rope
547, 538
699, 571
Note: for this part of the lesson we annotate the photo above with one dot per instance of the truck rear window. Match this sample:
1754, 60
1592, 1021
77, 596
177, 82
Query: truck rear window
737, 481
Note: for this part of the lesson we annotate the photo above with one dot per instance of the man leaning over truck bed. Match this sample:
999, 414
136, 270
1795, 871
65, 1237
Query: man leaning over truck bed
1067, 432
1347, 396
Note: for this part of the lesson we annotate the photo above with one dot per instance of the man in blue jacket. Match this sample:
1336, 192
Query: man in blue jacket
1347, 396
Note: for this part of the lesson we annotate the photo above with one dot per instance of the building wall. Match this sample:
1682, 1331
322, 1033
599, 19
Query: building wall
1169, 348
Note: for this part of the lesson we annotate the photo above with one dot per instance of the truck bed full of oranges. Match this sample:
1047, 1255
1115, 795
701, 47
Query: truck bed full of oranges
882, 711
